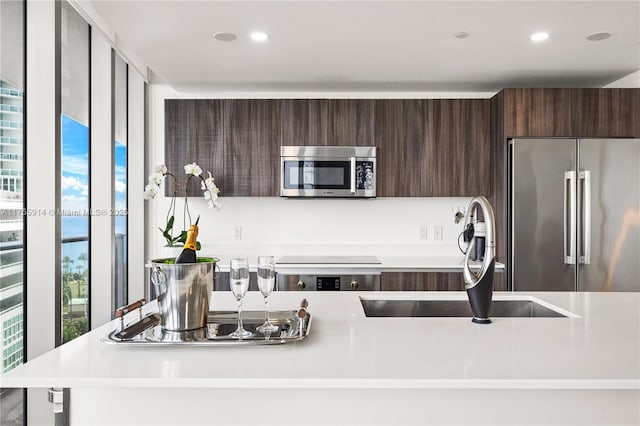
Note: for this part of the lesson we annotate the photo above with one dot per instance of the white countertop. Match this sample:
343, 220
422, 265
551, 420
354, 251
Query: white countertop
600, 349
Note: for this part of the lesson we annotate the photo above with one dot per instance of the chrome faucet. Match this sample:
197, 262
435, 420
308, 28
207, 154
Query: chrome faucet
479, 285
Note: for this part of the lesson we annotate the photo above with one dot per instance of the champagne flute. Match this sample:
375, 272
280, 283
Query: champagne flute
239, 282
266, 281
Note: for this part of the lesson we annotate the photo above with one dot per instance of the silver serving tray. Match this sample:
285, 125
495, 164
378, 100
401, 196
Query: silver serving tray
219, 325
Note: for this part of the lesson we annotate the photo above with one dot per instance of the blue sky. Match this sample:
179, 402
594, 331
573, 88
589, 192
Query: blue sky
75, 184
75, 176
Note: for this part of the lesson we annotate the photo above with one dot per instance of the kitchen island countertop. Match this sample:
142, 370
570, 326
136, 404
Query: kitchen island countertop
596, 354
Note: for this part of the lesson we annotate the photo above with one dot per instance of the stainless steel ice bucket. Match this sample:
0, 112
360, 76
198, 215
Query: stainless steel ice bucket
183, 292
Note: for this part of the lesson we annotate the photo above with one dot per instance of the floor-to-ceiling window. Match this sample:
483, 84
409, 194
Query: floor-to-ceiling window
74, 163
120, 111
12, 199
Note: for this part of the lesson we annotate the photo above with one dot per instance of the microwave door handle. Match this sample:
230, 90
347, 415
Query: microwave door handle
353, 175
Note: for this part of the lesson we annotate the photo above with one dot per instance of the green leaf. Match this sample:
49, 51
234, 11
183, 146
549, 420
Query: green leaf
183, 237
197, 245
170, 223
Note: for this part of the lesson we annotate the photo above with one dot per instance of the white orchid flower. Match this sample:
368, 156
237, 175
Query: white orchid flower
156, 178
150, 191
193, 169
160, 168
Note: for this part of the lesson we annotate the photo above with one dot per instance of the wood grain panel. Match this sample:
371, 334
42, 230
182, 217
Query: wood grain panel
605, 112
572, 112
461, 156
403, 156
351, 122
304, 122
194, 133
252, 147
421, 281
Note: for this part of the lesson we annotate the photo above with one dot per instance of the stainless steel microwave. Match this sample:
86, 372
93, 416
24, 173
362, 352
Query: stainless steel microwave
328, 171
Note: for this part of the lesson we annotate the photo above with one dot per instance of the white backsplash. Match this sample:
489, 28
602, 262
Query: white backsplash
383, 226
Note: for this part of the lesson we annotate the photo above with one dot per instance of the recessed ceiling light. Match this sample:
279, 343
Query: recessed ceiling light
600, 35
541, 36
461, 34
224, 36
259, 36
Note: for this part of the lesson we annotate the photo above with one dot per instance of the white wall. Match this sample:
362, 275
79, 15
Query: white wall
280, 226
136, 180
101, 180
40, 195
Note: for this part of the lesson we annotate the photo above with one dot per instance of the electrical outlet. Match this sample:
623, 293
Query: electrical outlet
422, 232
237, 232
437, 233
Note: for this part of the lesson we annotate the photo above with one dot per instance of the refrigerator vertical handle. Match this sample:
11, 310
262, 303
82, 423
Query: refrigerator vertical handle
353, 175
569, 217
585, 185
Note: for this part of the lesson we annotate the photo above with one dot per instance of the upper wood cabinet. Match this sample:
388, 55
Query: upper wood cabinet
425, 147
433, 147
403, 153
459, 146
304, 122
251, 147
320, 122
194, 133
351, 122
570, 112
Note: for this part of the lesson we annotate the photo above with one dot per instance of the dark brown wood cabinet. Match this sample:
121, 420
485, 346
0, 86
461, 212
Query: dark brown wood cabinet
430, 281
421, 281
403, 152
193, 133
460, 153
251, 147
304, 122
426, 147
351, 122
570, 112
433, 147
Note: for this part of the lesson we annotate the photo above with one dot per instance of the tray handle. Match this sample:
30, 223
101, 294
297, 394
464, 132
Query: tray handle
123, 310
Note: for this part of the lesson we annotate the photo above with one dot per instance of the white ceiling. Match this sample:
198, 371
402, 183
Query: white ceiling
378, 45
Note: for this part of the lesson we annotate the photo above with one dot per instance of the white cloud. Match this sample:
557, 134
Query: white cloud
76, 164
121, 186
70, 182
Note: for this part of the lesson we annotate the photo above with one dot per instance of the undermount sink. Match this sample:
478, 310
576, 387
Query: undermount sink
523, 307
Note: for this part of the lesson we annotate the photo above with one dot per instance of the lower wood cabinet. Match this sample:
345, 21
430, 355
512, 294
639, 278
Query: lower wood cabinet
430, 281
421, 281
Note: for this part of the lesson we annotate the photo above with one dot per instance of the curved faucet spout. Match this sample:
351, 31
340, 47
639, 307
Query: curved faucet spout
471, 278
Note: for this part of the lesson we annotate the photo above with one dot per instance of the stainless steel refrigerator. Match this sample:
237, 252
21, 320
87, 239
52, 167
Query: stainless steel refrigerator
574, 214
